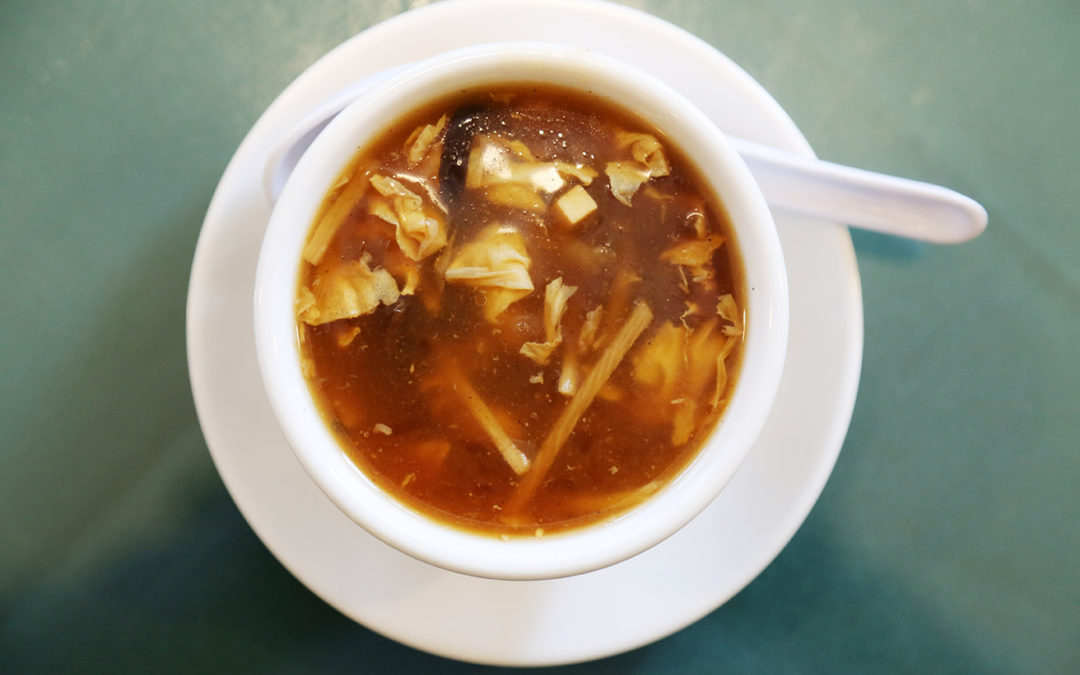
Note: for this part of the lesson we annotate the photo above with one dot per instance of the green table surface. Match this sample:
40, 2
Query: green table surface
947, 539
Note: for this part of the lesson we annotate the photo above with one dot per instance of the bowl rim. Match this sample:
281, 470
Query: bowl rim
577, 550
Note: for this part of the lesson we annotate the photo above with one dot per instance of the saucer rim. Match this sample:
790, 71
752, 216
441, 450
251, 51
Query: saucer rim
829, 447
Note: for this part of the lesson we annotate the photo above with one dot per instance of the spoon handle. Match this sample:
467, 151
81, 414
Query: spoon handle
862, 199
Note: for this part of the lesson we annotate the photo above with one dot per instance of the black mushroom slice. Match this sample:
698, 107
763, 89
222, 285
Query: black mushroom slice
464, 124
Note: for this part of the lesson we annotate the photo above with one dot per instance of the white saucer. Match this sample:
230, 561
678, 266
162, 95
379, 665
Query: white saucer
547, 622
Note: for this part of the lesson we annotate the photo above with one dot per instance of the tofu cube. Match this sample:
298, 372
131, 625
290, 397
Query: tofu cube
575, 205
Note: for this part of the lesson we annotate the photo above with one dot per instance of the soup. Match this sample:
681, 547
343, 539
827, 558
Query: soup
520, 310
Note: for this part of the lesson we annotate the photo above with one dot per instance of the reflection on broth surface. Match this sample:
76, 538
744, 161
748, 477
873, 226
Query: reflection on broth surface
520, 310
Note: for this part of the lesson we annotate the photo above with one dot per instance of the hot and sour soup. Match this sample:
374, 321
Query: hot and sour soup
520, 310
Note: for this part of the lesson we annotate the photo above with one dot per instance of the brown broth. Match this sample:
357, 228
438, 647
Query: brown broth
394, 383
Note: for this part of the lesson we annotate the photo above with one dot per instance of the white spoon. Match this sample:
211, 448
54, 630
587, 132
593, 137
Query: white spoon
792, 183
863, 199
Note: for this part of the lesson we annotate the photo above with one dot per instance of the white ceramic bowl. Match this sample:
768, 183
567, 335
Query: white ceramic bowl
579, 550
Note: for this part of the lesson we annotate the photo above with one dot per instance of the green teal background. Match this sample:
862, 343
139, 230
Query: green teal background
947, 539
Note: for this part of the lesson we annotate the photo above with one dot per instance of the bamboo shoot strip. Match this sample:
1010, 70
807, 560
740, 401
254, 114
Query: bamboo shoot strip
343, 205
514, 457
639, 319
